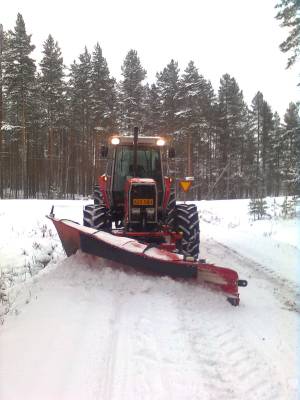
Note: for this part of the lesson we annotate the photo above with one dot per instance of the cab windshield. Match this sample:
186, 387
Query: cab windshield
148, 165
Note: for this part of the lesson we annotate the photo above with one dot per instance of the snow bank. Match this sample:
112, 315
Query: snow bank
273, 242
28, 243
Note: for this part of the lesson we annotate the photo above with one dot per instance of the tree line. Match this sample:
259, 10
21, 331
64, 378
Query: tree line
53, 120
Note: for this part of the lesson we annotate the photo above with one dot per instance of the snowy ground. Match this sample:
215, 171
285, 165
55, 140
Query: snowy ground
86, 328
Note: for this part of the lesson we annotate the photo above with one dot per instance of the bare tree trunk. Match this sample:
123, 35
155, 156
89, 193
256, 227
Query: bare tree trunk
50, 161
189, 169
209, 155
228, 179
258, 152
1, 114
24, 153
60, 161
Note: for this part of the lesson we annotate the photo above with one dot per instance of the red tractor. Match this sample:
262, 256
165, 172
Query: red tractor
135, 219
136, 196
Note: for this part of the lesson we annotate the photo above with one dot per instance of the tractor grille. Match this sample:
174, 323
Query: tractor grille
143, 203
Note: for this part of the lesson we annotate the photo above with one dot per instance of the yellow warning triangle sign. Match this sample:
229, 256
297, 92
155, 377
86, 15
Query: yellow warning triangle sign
185, 185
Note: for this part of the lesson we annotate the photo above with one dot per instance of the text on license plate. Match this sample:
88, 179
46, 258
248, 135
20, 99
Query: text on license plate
143, 202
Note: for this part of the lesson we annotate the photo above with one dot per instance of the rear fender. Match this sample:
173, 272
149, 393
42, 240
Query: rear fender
126, 200
103, 182
167, 191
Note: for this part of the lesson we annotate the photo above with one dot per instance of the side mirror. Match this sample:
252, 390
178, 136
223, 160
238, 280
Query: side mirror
104, 151
171, 152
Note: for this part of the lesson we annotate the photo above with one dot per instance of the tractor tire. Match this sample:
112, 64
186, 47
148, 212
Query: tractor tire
97, 216
187, 222
98, 200
171, 210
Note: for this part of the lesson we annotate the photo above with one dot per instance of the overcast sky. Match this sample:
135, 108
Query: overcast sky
239, 37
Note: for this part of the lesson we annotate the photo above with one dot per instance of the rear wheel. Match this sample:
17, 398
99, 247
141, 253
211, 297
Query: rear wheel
171, 210
187, 222
97, 216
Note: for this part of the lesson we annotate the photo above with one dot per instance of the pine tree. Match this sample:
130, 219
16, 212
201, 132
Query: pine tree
232, 124
1, 113
288, 208
262, 208
292, 148
262, 125
168, 89
276, 157
253, 208
168, 84
103, 106
289, 16
19, 84
189, 114
249, 159
152, 107
258, 208
131, 92
37, 168
80, 94
52, 90
266, 146
195, 100
102, 93
256, 125
274, 209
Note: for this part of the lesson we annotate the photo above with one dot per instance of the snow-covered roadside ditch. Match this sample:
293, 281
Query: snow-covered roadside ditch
28, 245
273, 243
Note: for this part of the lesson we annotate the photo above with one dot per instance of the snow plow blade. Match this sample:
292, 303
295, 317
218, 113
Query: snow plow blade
141, 256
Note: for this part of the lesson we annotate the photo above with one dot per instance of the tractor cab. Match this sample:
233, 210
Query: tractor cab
148, 165
134, 187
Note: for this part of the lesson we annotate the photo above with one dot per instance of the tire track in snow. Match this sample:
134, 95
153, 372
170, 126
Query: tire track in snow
148, 350
171, 337
168, 369
146, 353
132, 364
108, 370
230, 367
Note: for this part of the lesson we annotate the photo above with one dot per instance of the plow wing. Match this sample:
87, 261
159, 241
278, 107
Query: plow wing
141, 256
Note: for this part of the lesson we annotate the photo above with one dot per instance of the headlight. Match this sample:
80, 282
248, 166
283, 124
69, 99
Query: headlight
135, 210
150, 213
115, 140
160, 142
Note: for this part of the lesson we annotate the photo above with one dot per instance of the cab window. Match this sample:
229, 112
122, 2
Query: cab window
148, 165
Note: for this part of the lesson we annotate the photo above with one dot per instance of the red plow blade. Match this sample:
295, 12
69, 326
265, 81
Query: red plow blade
130, 252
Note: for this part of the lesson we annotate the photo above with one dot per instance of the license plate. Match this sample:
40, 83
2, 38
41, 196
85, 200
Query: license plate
143, 202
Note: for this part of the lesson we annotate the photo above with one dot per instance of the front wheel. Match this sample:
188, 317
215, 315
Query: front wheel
187, 222
98, 199
97, 216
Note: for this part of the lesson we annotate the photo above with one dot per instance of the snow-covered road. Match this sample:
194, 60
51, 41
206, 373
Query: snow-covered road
86, 328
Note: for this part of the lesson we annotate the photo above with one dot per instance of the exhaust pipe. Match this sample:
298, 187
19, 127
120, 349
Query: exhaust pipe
135, 142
